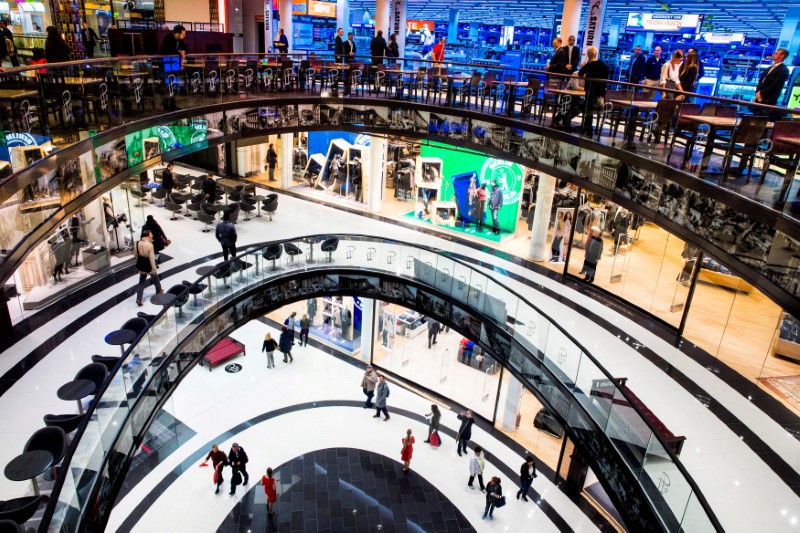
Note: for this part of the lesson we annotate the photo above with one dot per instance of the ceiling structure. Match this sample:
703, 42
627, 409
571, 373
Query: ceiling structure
756, 18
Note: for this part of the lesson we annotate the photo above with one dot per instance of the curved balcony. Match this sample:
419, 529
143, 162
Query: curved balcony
640, 159
619, 442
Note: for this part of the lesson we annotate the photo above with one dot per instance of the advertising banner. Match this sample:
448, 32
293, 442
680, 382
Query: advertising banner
299, 7
398, 23
142, 144
460, 168
594, 25
267, 24
322, 9
663, 22
722, 38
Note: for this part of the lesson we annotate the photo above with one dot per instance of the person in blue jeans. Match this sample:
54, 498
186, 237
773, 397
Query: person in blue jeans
493, 492
465, 431
526, 474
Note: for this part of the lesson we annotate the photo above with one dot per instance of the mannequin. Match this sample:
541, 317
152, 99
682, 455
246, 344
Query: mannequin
311, 309
345, 318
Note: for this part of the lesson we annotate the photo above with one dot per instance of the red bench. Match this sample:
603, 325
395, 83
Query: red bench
227, 348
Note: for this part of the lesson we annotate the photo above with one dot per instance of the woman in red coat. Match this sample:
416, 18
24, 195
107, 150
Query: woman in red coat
271, 490
219, 460
407, 451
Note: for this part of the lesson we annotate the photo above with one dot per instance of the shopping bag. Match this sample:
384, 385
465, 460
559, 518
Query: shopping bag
216, 477
499, 502
435, 440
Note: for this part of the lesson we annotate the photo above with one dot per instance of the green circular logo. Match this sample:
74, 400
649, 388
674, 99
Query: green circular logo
507, 175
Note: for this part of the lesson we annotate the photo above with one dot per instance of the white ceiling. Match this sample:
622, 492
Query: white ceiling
757, 18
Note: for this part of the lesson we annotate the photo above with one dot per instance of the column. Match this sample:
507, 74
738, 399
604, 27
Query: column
287, 152
508, 32
382, 18
570, 19
285, 12
343, 15
789, 38
648, 41
538, 250
613, 32
367, 328
511, 407
452, 26
234, 24
397, 23
377, 170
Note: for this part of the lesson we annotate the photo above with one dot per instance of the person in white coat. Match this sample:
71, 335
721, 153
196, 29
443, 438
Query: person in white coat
476, 465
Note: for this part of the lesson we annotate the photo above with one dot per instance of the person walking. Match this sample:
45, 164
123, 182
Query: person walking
285, 343
594, 251
226, 235
89, 38
494, 206
670, 74
167, 180
407, 450
237, 458
433, 423
160, 240
55, 48
433, 331
476, 465
272, 162
219, 461
290, 323
494, 493
305, 326
368, 384
269, 346
382, 391
146, 265
464, 431
377, 48
271, 491
526, 474
480, 206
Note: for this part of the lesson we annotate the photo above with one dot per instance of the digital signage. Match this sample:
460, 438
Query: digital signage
322, 9
664, 23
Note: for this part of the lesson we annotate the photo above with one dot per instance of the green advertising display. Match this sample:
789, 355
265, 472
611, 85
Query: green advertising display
461, 164
150, 142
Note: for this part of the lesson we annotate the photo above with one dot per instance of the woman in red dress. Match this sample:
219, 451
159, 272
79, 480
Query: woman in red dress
408, 450
271, 490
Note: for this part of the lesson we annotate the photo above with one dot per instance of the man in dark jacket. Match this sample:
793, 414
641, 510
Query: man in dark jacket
210, 189
167, 181
89, 38
377, 48
771, 82
652, 68
272, 161
174, 44
237, 458
10, 36
636, 72
526, 474
573, 54
465, 431
433, 331
338, 46
226, 235
558, 63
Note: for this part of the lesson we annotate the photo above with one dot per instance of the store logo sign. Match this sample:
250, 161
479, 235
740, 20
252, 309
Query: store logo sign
397, 15
363, 140
20, 139
166, 135
507, 175
322, 9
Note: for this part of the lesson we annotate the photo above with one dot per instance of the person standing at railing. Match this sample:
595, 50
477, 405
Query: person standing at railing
174, 43
670, 75
55, 48
771, 81
9, 36
378, 48
594, 70
689, 72
558, 63
652, 68
89, 38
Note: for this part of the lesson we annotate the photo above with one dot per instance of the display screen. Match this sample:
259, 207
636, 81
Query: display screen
322, 9
414, 26
664, 23
460, 167
299, 7
170, 137
722, 38
303, 33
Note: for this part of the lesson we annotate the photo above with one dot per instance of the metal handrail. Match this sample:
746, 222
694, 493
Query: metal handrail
461, 259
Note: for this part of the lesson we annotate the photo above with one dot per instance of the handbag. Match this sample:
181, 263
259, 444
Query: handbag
435, 440
166, 242
216, 477
499, 502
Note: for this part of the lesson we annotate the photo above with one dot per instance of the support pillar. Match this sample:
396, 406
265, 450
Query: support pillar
613, 32
285, 12
452, 26
570, 19
508, 32
511, 407
343, 16
538, 250
377, 172
367, 328
382, 18
789, 38
287, 152
398, 24
648, 41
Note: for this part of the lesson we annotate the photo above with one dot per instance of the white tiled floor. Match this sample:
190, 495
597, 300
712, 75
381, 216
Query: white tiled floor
754, 498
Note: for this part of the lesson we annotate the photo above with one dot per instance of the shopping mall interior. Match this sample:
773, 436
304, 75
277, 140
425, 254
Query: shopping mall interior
557, 283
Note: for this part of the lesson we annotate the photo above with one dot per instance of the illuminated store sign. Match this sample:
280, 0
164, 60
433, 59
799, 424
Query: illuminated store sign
662, 22
322, 9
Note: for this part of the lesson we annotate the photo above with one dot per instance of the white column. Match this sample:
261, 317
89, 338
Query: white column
397, 24
367, 328
511, 407
541, 218
377, 170
570, 19
789, 38
286, 21
343, 15
287, 151
382, 18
